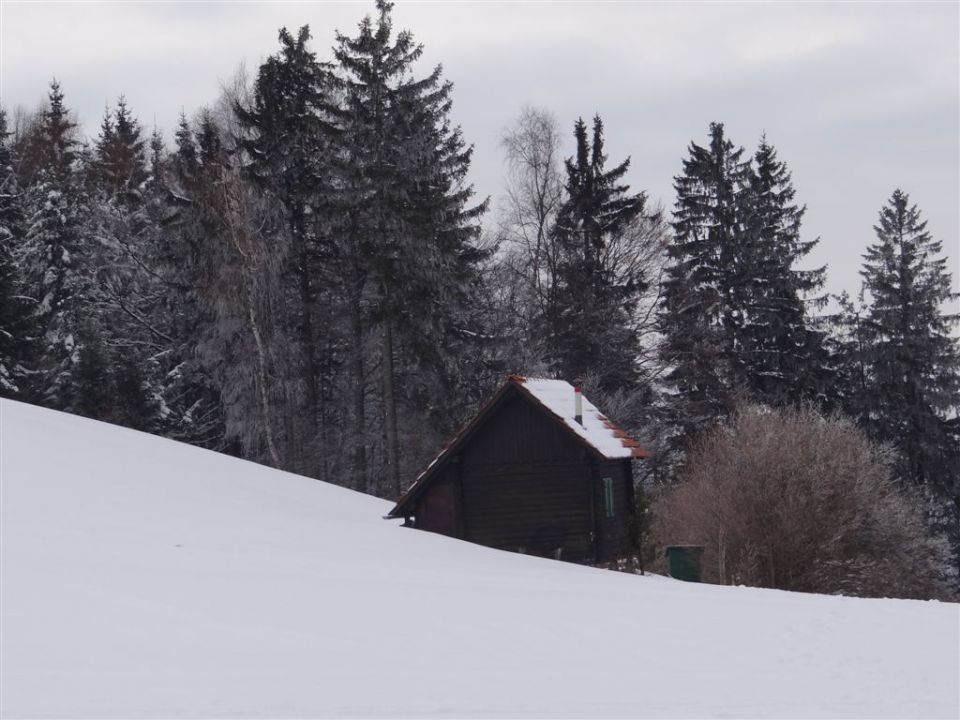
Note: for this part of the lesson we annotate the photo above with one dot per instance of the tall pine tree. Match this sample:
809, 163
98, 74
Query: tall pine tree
701, 312
288, 131
121, 328
52, 256
911, 357
407, 217
121, 163
194, 408
16, 310
49, 144
590, 316
781, 353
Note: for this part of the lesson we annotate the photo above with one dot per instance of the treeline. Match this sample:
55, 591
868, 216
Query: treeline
302, 280
297, 281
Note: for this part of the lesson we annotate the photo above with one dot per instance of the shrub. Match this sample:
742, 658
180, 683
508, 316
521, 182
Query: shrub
794, 500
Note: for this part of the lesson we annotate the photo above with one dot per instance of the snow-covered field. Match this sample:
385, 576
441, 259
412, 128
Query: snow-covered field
144, 578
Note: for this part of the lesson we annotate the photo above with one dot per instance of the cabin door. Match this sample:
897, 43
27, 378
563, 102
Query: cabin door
606, 516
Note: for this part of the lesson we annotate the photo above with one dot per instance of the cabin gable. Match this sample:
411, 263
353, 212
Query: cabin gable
519, 431
526, 484
524, 476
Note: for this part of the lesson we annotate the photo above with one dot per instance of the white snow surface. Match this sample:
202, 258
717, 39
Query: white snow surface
145, 578
558, 397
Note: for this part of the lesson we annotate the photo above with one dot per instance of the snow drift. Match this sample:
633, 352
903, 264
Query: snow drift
145, 578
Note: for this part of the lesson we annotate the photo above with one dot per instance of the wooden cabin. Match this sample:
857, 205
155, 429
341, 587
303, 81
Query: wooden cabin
532, 474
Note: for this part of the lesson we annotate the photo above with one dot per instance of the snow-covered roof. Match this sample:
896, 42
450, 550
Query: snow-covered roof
601, 434
558, 398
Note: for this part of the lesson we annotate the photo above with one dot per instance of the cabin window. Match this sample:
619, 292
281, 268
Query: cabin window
608, 496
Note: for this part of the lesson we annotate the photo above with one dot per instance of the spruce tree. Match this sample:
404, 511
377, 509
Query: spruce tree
185, 158
135, 399
406, 214
194, 410
911, 357
16, 311
209, 144
53, 142
93, 392
104, 142
287, 145
52, 255
846, 350
157, 161
590, 313
120, 154
780, 352
123, 319
701, 311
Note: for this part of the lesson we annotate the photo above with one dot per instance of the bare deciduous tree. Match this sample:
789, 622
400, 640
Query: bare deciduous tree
532, 197
242, 231
524, 272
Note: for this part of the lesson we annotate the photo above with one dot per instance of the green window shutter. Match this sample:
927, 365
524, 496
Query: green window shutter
608, 496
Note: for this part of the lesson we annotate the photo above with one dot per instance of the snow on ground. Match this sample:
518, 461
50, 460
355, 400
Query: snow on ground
144, 578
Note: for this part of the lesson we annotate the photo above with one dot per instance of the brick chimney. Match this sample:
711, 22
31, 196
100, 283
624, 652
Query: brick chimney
578, 401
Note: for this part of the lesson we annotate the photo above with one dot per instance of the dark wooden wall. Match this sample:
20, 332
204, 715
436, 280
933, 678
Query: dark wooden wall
538, 511
526, 485
521, 482
439, 507
614, 533
521, 432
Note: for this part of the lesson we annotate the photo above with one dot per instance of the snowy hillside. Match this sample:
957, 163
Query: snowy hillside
144, 578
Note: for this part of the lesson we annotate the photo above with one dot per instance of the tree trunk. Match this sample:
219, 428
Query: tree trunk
243, 243
359, 405
262, 383
390, 406
307, 339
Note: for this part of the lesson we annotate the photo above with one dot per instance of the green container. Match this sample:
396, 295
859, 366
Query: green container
683, 562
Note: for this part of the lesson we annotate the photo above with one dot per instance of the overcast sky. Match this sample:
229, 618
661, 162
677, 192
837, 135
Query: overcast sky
858, 98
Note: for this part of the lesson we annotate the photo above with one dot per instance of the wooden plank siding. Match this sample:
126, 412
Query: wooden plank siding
535, 510
526, 485
518, 479
439, 507
521, 434
613, 533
